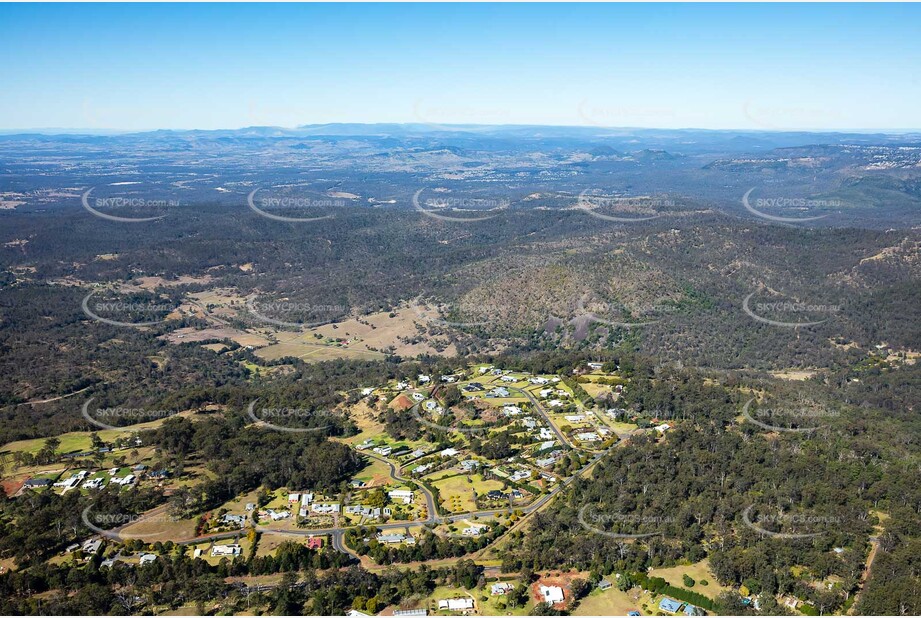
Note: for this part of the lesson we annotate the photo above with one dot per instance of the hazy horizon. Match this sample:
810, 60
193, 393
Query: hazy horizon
774, 67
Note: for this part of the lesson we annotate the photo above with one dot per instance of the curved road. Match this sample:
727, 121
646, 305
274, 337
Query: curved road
337, 533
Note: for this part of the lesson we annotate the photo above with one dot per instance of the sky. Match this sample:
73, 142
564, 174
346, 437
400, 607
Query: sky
225, 66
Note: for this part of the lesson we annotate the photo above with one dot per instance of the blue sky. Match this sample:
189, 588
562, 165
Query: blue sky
719, 66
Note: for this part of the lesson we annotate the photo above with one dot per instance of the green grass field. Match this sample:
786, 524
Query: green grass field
457, 493
613, 602
697, 571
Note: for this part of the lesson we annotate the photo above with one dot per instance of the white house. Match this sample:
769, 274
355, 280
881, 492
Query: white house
325, 508
552, 594
663, 427
91, 546
575, 418
450, 452
226, 550
474, 529
424, 379
401, 494
456, 605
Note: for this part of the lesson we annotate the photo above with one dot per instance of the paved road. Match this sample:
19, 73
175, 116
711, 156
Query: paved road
337, 533
540, 410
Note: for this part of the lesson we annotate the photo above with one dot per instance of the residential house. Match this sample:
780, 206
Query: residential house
401, 494
325, 509
234, 520
456, 605
394, 538
475, 530
500, 588
36, 483
669, 605
91, 546
226, 550
552, 594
